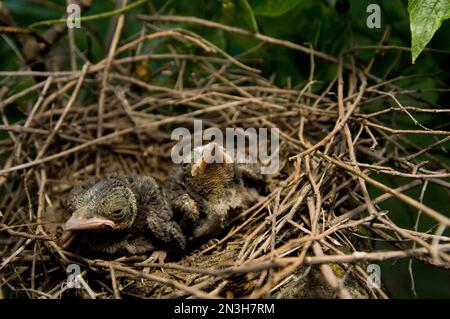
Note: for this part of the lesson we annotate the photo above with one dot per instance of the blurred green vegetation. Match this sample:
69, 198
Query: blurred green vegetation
328, 26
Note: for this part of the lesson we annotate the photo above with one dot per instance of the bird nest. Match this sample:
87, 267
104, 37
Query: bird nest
313, 233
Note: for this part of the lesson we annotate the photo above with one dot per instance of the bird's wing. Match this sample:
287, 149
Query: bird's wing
158, 215
184, 207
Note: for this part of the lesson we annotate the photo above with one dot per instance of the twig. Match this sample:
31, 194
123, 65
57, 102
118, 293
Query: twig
88, 18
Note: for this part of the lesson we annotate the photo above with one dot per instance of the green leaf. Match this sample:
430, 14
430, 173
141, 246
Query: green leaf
238, 13
272, 7
425, 19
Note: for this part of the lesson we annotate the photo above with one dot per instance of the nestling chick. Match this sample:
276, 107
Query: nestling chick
206, 194
119, 214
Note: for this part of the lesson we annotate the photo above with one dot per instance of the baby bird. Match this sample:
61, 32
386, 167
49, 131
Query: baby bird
206, 194
123, 214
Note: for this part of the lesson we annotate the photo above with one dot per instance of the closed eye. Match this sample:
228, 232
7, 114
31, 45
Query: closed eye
117, 212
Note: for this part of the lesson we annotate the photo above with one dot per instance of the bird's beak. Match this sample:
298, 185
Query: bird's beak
79, 221
210, 153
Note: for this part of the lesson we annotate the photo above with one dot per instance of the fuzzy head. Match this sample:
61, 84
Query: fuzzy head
107, 204
211, 169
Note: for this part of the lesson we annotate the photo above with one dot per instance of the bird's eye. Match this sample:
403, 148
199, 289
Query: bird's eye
116, 212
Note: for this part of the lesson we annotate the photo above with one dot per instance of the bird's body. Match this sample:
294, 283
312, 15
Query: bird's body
206, 196
123, 214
